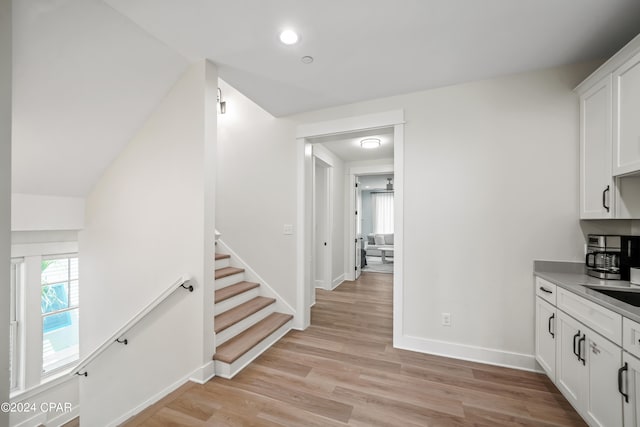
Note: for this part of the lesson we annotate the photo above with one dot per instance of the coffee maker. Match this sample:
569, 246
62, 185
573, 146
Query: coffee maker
610, 257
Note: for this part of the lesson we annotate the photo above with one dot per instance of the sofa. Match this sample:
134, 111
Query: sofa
373, 243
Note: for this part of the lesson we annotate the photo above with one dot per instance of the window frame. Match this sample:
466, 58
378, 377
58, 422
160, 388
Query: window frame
68, 256
16, 322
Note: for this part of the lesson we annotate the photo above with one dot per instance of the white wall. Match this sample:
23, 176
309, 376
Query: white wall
145, 226
5, 195
491, 173
256, 190
37, 212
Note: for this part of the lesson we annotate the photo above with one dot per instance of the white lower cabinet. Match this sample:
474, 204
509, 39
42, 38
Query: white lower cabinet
546, 336
587, 368
629, 384
571, 373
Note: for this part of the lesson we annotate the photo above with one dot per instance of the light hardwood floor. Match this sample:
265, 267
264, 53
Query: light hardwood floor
343, 370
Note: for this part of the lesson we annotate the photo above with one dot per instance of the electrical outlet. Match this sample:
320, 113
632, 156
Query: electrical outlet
446, 319
288, 229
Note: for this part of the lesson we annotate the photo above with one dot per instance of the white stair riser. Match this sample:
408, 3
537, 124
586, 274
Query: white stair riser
222, 263
233, 330
229, 280
235, 301
226, 370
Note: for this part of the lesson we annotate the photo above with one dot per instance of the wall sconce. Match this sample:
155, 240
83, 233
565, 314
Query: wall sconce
221, 103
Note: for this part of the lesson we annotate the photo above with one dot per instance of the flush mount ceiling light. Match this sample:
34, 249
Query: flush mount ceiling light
289, 37
370, 143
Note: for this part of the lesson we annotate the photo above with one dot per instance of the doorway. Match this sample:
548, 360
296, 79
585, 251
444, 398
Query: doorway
313, 132
322, 224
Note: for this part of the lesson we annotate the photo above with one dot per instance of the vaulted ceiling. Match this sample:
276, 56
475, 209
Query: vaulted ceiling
89, 72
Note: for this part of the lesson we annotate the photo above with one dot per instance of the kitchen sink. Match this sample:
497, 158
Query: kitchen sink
631, 297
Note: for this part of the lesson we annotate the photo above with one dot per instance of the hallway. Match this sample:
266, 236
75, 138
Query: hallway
343, 370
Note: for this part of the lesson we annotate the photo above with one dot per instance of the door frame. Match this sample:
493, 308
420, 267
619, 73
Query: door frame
322, 216
357, 171
304, 206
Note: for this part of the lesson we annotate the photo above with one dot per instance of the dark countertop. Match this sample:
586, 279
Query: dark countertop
572, 277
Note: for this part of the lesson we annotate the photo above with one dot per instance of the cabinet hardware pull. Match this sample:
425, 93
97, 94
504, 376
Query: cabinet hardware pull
543, 289
550, 331
574, 345
620, 372
604, 198
580, 358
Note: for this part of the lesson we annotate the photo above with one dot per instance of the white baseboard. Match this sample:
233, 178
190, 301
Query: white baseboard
204, 373
64, 418
337, 281
36, 420
158, 396
525, 362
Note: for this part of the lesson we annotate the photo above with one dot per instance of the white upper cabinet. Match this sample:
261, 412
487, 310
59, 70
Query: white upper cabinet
626, 111
596, 180
610, 138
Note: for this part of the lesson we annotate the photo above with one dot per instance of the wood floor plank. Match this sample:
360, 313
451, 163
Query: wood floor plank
343, 370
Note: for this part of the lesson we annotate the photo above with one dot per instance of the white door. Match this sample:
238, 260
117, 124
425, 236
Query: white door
629, 384
571, 373
604, 402
626, 129
596, 182
320, 224
546, 337
358, 227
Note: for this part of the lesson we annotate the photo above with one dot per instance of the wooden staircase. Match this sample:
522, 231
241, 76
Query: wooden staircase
246, 323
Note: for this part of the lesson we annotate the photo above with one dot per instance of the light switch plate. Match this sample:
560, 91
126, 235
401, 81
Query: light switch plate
288, 229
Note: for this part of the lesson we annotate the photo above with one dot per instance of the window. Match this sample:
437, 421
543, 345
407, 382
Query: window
59, 304
382, 213
14, 343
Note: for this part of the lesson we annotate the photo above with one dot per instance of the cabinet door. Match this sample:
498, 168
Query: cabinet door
571, 373
596, 182
630, 385
626, 128
604, 401
545, 337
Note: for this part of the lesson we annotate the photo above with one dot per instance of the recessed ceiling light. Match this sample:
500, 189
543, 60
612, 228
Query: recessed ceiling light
307, 59
370, 143
289, 37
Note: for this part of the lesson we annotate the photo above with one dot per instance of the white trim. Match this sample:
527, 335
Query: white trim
303, 262
35, 249
37, 420
251, 276
350, 124
525, 362
51, 382
380, 169
204, 373
40, 419
337, 281
65, 417
398, 237
612, 64
150, 401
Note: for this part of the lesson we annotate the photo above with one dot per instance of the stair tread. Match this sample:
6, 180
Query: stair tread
227, 271
240, 312
233, 349
233, 290
222, 256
